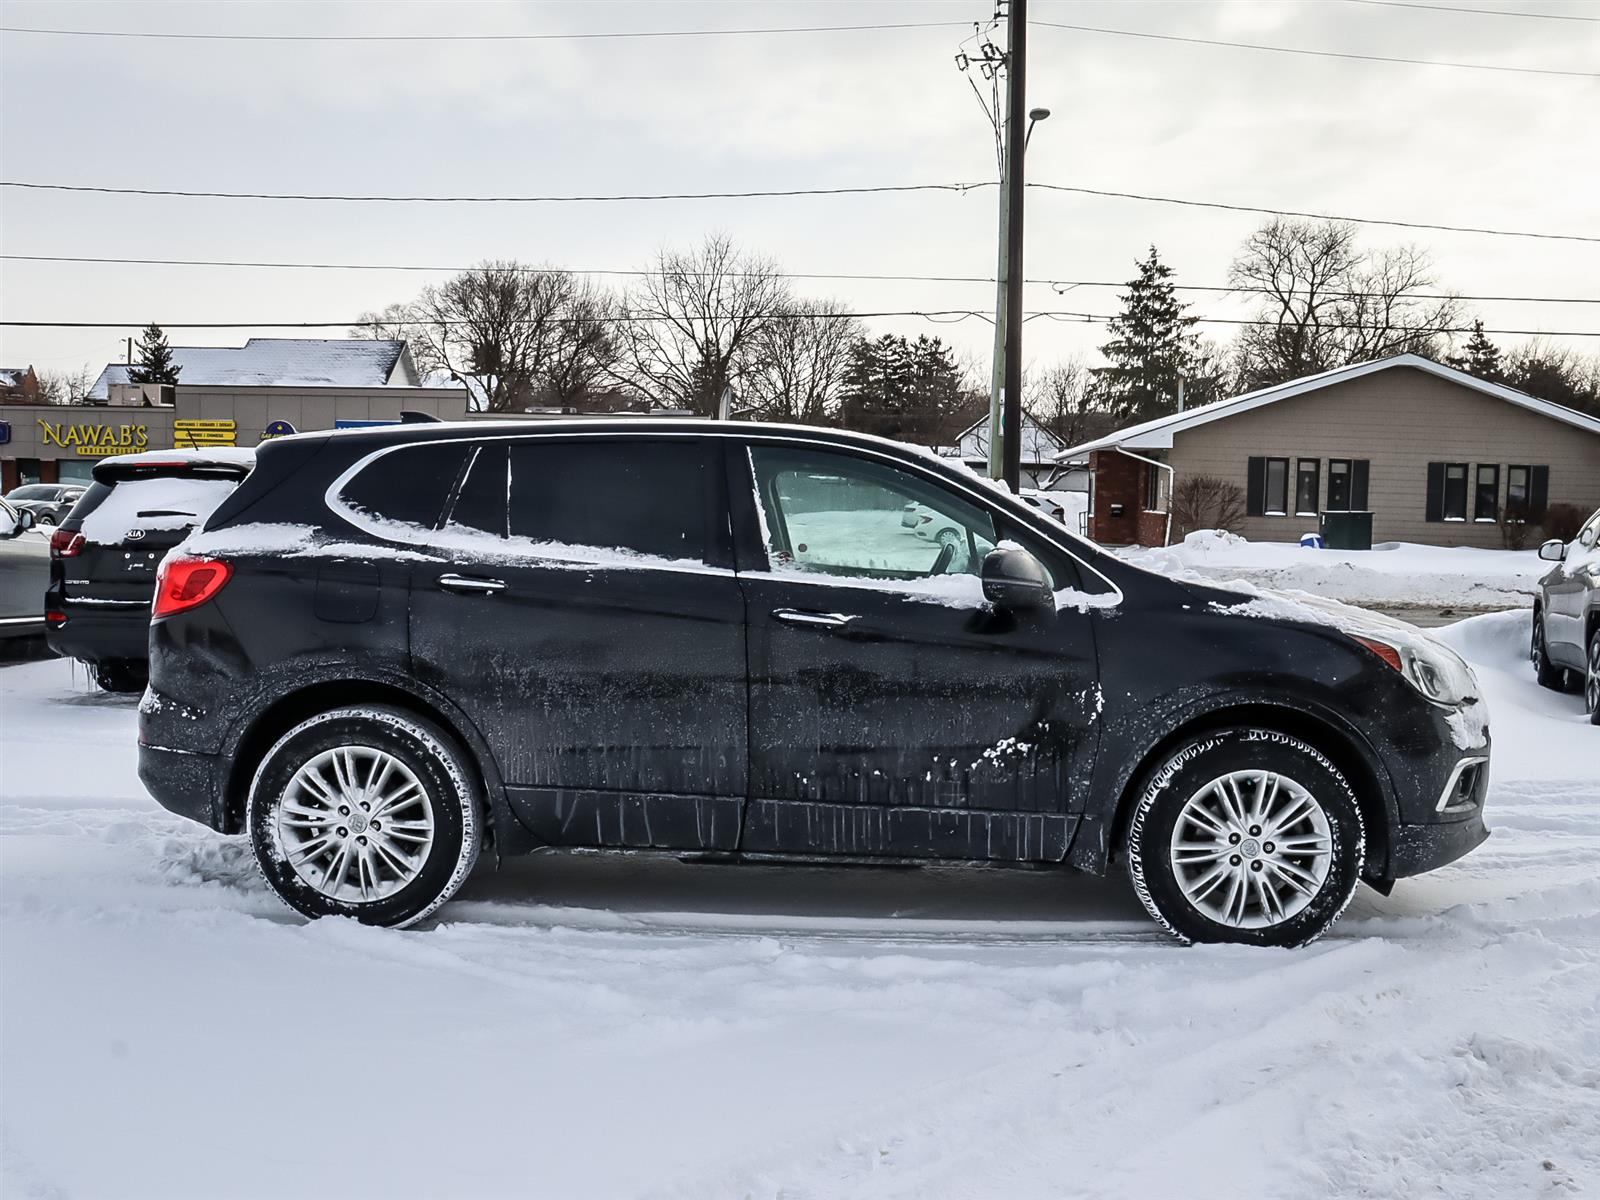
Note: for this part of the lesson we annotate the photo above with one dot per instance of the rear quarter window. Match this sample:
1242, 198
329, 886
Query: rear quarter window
410, 485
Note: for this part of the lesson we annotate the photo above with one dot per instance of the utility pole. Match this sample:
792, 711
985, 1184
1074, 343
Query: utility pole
1005, 403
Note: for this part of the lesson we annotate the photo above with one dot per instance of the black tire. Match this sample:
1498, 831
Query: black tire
1591, 678
1189, 772
1547, 673
47, 519
121, 675
442, 772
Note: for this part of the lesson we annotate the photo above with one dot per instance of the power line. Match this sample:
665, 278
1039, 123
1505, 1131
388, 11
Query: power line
1285, 212
616, 35
880, 189
869, 277
1477, 12
934, 314
1415, 62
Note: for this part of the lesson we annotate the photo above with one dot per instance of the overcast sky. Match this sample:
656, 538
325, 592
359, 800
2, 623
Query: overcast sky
1414, 143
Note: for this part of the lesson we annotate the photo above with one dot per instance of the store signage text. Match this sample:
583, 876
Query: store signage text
95, 440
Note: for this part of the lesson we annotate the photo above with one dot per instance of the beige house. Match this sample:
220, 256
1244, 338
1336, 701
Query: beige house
1435, 455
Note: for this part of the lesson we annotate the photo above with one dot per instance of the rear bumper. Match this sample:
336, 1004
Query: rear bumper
96, 632
185, 783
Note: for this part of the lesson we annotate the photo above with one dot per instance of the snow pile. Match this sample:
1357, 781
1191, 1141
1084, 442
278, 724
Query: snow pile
1392, 574
654, 1028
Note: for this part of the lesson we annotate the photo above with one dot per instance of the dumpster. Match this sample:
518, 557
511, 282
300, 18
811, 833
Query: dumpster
1347, 530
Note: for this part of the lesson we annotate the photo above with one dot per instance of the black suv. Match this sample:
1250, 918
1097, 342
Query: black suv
388, 646
104, 555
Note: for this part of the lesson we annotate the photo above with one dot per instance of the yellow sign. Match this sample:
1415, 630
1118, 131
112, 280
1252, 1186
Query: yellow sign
191, 433
96, 441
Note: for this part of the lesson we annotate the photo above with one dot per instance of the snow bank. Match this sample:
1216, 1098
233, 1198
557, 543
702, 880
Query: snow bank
1391, 573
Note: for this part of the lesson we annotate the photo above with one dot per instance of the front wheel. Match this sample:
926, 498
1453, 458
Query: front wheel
368, 812
1246, 835
1547, 673
1591, 679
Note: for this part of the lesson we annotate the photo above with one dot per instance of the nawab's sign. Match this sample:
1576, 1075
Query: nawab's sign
95, 439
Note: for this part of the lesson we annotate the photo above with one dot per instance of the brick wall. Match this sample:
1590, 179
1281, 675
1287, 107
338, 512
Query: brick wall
1120, 480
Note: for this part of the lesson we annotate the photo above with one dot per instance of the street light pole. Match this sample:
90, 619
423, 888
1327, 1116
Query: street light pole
1005, 395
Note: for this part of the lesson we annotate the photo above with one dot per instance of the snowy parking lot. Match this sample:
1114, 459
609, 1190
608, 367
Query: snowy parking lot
597, 1027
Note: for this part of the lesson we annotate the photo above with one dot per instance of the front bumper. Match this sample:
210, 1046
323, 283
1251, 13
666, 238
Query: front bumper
1419, 848
191, 785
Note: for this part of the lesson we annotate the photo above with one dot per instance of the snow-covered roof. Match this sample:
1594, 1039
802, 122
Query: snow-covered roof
13, 376
280, 362
1039, 445
1158, 434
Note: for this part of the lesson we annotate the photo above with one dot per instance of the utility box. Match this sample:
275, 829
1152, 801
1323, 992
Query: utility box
1346, 530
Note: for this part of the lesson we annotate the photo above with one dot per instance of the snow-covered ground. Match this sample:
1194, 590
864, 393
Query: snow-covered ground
603, 1027
1391, 574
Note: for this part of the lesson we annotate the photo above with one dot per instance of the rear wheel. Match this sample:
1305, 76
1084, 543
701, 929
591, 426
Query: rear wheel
121, 675
368, 812
1548, 674
47, 519
1246, 835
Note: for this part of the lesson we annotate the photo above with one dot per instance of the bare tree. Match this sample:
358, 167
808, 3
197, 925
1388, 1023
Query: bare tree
586, 352
1327, 303
1061, 399
795, 365
66, 387
1206, 502
688, 327
399, 323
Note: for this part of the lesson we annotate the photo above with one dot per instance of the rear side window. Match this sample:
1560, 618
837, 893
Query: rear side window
647, 497
409, 485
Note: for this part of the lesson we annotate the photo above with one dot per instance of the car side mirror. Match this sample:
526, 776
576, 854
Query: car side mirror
1015, 579
1555, 550
25, 519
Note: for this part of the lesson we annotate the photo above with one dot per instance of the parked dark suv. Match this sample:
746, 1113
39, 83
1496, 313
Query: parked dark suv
104, 555
1566, 615
388, 646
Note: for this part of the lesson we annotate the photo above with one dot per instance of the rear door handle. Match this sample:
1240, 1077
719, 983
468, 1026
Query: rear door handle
812, 620
471, 586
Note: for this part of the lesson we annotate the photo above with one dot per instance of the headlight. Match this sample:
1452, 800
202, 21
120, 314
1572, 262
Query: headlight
1434, 670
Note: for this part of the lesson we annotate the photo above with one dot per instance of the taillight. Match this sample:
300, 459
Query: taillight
65, 544
185, 583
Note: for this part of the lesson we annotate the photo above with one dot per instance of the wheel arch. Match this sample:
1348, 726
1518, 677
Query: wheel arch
287, 711
1341, 747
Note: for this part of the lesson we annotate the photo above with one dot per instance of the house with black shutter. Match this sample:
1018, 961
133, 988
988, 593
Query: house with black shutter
1437, 456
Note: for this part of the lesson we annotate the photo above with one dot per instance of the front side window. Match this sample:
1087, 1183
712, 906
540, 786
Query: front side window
835, 514
1277, 487
643, 497
1455, 491
1486, 498
1307, 487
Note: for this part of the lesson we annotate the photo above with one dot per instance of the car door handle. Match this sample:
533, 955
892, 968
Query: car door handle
479, 587
812, 620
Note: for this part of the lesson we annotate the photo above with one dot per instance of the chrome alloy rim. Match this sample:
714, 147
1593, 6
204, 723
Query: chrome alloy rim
1591, 685
1251, 849
355, 824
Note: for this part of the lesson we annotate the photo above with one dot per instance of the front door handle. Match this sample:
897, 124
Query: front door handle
471, 586
812, 620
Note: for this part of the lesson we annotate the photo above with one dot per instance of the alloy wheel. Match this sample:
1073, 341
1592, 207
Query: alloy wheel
1591, 682
355, 824
1251, 849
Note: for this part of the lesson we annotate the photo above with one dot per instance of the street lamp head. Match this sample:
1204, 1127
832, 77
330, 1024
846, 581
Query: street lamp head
1038, 114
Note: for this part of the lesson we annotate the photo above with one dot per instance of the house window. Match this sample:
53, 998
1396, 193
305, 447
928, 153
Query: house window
1486, 495
1277, 492
1517, 493
1152, 489
1307, 487
1455, 492
1338, 485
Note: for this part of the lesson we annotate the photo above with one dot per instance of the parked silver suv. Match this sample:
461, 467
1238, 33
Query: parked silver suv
1566, 615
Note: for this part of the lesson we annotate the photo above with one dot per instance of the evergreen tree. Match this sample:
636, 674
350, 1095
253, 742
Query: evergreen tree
155, 359
1481, 356
1152, 344
898, 388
